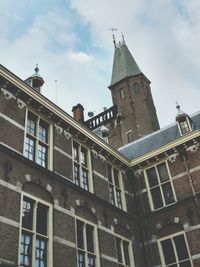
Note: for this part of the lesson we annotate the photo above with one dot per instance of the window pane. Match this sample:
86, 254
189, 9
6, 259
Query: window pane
42, 155
81, 259
75, 152
185, 264
168, 251
85, 179
31, 124
126, 252
83, 156
90, 238
112, 197
27, 213
116, 177
181, 247
42, 211
163, 173
40, 253
109, 171
25, 250
76, 174
157, 198
80, 240
119, 252
91, 260
119, 198
30, 148
168, 193
43, 132
152, 177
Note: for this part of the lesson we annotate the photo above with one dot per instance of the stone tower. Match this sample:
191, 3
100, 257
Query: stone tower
131, 94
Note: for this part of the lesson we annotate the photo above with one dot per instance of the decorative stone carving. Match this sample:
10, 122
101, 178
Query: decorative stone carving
138, 172
21, 104
28, 177
193, 148
173, 157
8, 95
67, 135
59, 129
49, 188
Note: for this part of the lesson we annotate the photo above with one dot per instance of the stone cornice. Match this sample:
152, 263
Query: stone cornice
9, 76
43, 101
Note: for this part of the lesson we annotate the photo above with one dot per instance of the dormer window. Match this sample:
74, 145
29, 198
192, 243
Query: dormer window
184, 122
184, 126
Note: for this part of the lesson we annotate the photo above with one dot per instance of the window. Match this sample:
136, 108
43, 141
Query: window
160, 187
37, 140
136, 87
81, 166
115, 186
123, 252
121, 93
184, 125
86, 248
174, 251
35, 233
129, 136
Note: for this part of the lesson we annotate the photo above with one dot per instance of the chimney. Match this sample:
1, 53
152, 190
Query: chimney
78, 113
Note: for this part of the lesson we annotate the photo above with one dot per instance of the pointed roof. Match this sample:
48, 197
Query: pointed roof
124, 65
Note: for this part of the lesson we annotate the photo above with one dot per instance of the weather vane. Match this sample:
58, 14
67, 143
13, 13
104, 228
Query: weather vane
113, 30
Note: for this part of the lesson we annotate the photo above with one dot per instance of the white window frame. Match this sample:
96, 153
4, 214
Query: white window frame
35, 137
130, 251
160, 184
174, 248
34, 233
96, 241
81, 166
115, 187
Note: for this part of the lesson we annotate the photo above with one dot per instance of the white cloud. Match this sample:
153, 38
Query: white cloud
163, 36
79, 56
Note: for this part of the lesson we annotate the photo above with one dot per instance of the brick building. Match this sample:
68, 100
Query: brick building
69, 198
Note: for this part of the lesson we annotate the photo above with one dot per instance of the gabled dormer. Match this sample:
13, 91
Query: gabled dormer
183, 121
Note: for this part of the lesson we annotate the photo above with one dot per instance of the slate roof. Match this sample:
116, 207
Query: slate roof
124, 65
156, 139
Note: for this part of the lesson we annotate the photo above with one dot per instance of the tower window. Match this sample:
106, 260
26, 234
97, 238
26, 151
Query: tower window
160, 187
37, 140
136, 88
81, 165
175, 251
129, 136
122, 96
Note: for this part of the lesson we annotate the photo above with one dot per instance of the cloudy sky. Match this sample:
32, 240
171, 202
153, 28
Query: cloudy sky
70, 41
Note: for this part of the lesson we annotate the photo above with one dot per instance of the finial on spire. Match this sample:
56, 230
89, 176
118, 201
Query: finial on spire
177, 106
123, 39
113, 36
36, 69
